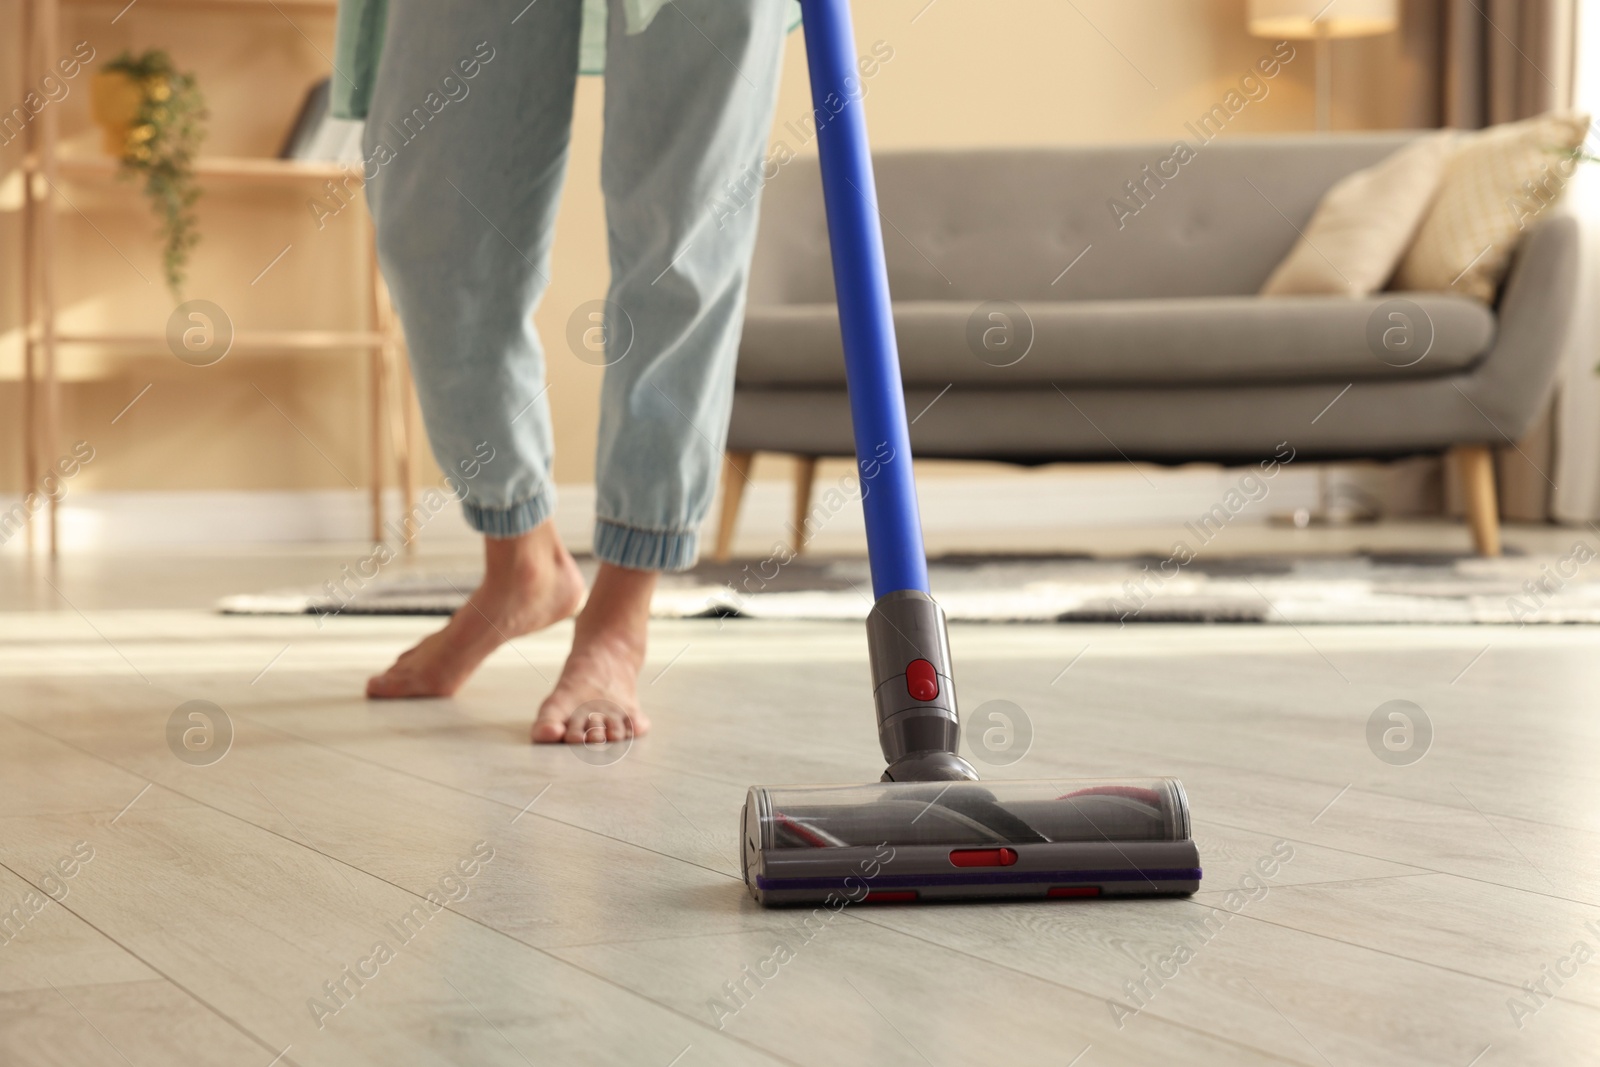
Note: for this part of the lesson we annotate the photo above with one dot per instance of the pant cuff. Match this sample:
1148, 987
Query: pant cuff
645, 550
512, 521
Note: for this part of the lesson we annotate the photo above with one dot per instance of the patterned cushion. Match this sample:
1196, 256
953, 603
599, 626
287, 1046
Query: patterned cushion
1364, 224
1495, 185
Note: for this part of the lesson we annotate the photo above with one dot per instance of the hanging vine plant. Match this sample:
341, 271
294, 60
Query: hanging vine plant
163, 133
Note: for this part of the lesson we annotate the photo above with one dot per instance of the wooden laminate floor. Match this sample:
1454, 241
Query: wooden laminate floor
534, 907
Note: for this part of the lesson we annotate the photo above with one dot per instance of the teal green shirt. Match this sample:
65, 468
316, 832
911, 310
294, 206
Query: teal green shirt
359, 41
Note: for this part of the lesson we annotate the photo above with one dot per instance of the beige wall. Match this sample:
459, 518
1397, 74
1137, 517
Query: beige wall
964, 72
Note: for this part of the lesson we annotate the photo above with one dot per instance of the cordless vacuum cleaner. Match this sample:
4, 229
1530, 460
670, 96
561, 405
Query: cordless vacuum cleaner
929, 830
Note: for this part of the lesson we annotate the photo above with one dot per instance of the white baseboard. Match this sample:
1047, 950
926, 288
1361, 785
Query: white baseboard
98, 520
1032, 501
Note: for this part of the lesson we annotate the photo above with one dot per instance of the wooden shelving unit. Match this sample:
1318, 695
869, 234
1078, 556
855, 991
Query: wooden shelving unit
229, 169
45, 169
324, 5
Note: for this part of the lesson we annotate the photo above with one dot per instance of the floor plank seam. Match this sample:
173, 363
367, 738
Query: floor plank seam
1338, 881
486, 799
1268, 774
549, 954
1409, 959
1100, 996
1417, 868
191, 994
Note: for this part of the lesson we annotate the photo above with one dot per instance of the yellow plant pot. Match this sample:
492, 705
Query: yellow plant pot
114, 100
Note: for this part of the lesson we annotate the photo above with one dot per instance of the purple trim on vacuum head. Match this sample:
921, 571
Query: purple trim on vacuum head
911, 881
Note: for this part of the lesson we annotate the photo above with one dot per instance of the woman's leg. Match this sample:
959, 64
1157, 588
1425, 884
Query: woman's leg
468, 133
688, 112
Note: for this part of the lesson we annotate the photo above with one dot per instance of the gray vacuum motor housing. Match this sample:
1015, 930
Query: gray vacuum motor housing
920, 736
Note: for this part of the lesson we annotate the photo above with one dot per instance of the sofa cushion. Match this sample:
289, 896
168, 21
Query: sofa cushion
1364, 224
1498, 181
1190, 341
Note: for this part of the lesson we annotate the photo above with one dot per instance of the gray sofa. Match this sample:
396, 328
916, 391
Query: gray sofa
1152, 346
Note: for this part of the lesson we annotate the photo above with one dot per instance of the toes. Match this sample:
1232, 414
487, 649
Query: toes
382, 686
638, 725
586, 727
612, 723
593, 722
398, 684
553, 721
548, 729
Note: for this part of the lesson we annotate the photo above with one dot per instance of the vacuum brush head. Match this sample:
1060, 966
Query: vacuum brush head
958, 840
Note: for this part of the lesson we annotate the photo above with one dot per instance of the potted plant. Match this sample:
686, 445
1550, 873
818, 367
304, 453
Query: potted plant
152, 120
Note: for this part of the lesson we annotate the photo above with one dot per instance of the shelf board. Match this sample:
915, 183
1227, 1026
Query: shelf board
242, 169
222, 5
254, 341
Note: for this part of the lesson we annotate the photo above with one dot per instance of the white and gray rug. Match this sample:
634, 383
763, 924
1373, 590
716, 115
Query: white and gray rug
1284, 590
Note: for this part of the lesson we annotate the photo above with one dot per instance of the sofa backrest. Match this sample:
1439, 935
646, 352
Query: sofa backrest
1213, 219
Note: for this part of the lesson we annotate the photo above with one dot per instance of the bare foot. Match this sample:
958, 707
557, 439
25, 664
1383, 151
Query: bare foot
529, 582
597, 697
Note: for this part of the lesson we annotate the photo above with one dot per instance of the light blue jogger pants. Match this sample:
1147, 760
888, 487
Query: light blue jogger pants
470, 125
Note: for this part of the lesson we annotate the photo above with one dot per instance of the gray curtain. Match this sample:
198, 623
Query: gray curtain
1504, 60
1500, 61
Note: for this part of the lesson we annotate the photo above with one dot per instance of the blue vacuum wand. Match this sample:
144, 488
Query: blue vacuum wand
910, 654
929, 830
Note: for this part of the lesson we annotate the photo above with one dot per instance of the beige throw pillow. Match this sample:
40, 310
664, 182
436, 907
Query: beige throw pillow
1364, 224
1497, 182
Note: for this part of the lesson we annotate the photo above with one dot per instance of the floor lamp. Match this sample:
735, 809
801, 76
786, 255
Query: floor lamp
1322, 21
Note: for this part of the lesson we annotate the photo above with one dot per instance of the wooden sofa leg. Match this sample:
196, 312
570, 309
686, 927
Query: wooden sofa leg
805, 474
1483, 511
735, 475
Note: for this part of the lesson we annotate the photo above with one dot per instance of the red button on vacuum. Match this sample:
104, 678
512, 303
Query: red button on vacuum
922, 681
890, 896
983, 857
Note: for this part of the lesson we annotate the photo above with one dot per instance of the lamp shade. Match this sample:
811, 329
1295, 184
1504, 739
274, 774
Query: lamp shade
1323, 18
